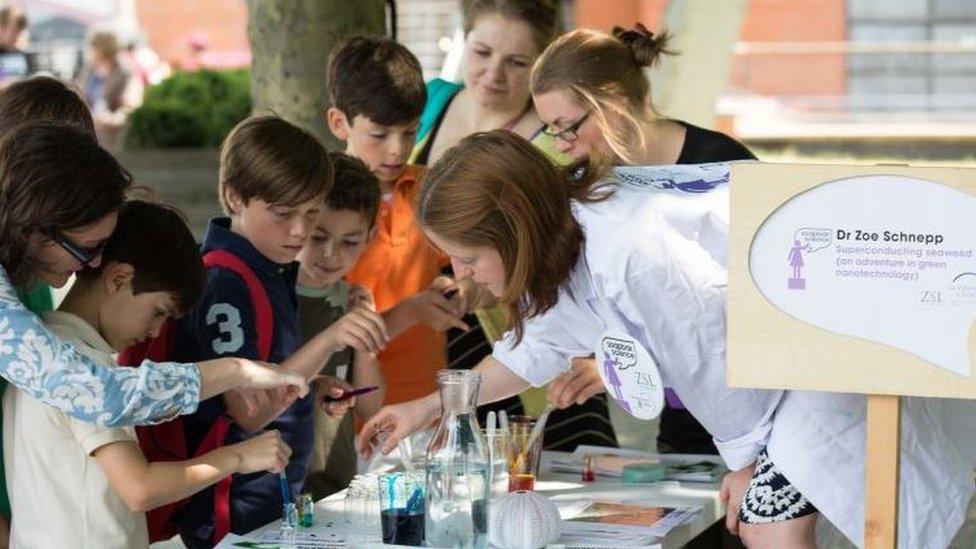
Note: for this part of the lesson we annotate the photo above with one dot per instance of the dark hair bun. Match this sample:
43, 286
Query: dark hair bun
646, 48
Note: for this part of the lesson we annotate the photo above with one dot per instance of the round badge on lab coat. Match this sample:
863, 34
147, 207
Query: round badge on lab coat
630, 375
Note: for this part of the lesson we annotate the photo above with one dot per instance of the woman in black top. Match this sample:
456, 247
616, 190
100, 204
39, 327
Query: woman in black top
590, 90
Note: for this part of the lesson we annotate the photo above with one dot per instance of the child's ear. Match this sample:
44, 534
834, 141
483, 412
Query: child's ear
338, 123
118, 277
233, 200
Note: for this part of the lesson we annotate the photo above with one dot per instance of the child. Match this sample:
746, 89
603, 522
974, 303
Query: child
274, 178
77, 484
344, 229
377, 91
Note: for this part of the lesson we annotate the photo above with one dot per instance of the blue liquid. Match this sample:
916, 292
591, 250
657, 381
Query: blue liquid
402, 528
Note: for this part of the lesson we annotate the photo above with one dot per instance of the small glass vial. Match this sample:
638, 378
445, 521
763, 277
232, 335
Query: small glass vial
306, 511
588, 474
289, 523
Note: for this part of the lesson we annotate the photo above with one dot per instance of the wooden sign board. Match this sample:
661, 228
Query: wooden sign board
854, 279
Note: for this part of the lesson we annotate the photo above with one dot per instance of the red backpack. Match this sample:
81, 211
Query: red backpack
167, 441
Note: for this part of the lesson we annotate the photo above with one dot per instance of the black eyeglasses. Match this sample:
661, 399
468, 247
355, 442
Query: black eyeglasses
85, 256
569, 134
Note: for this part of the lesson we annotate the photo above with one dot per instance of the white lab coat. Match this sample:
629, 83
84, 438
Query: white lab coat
654, 267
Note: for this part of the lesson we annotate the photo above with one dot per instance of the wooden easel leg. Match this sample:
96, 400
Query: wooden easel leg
881, 482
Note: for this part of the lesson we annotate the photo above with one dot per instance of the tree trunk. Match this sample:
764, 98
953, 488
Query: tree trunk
290, 45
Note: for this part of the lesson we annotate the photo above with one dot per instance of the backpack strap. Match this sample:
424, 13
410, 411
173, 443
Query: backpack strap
264, 324
263, 313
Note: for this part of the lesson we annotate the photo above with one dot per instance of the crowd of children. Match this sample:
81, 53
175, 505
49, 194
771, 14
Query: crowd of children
318, 266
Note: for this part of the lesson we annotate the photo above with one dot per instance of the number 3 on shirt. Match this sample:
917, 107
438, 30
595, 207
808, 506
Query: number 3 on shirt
228, 321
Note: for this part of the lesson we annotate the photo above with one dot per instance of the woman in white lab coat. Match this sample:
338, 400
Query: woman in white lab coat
634, 258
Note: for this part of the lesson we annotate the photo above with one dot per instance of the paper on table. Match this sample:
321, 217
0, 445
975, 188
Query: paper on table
622, 523
610, 462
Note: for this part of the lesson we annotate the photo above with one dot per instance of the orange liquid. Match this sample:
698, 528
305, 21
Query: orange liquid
521, 482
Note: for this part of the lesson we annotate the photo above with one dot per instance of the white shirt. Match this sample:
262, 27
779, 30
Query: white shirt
58, 492
654, 267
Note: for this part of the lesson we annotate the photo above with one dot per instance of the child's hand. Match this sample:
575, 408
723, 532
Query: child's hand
265, 452
434, 309
361, 297
362, 329
334, 387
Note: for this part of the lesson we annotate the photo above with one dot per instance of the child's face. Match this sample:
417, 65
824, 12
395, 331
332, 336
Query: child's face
126, 318
336, 244
384, 149
277, 231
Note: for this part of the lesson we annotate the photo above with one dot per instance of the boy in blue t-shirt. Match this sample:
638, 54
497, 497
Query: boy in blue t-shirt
273, 180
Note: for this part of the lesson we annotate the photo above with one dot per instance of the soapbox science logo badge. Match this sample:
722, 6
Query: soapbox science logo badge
630, 375
805, 241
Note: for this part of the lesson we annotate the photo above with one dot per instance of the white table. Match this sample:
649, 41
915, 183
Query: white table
566, 487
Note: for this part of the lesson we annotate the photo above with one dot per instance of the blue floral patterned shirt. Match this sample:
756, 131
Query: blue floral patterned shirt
35, 360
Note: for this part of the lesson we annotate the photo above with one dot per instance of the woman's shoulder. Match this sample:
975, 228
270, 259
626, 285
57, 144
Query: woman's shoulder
704, 145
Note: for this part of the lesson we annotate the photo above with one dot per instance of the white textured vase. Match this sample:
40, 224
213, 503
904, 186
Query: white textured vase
524, 520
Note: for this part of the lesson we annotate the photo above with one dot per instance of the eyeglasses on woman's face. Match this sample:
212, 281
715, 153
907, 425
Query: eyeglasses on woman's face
85, 256
570, 133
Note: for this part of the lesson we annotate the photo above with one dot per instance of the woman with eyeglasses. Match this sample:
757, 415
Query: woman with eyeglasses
590, 89
503, 38
59, 196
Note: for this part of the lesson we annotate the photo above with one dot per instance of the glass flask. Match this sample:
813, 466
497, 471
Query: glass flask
457, 467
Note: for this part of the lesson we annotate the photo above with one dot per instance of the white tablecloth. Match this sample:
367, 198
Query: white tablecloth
562, 488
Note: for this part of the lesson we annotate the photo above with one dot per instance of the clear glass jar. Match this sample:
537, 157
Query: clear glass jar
457, 467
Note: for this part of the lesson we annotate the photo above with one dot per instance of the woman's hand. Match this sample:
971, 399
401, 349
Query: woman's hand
733, 490
397, 421
249, 379
576, 385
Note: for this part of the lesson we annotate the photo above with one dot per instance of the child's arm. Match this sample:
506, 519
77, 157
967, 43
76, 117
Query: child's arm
366, 372
144, 485
360, 328
430, 306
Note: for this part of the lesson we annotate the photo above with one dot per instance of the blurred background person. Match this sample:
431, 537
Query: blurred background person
109, 86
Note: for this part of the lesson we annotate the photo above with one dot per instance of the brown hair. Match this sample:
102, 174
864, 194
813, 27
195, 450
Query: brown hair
12, 16
106, 43
539, 15
268, 158
596, 68
495, 189
53, 177
43, 98
377, 78
154, 239
355, 188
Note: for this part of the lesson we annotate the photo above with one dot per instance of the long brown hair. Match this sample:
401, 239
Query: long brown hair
495, 189
53, 177
598, 69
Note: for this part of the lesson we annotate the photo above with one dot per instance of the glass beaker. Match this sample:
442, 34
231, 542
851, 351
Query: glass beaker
457, 467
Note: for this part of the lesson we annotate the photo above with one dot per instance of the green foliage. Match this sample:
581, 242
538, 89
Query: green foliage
190, 109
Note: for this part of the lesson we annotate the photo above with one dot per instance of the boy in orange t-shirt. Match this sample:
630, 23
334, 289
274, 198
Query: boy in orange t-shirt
378, 93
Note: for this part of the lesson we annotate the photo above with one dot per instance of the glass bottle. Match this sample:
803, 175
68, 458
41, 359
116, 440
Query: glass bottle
457, 467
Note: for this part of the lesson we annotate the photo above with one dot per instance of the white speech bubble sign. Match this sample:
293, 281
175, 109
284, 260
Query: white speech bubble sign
883, 257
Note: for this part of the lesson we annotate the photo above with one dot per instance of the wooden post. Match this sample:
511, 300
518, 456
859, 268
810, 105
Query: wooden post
881, 464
